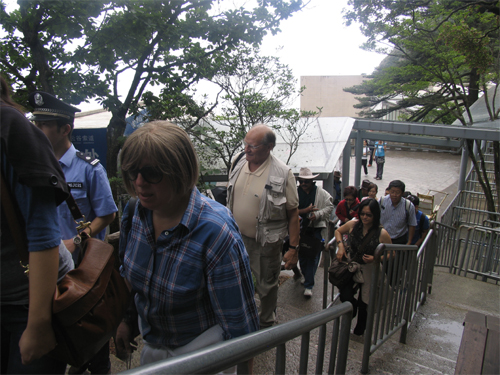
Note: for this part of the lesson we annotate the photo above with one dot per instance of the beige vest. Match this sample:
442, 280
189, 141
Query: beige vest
272, 222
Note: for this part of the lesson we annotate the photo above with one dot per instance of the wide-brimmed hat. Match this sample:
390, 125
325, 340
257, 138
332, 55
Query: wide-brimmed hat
306, 174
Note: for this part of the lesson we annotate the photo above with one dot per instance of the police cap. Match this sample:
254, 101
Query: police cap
47, 107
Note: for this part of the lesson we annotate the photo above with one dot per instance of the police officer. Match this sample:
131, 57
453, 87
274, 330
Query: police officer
89, 186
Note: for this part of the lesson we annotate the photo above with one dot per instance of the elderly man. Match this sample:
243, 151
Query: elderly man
397, 214
263, 198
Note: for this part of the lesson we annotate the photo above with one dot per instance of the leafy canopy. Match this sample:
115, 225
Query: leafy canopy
442, 56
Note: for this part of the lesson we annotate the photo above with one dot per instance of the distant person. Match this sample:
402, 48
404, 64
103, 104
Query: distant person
364, 189
183, 256
423, 223
371, 148
36, 184
380, 148
365, 235
364, 157
398, 214
372, 190
337, 185
89, 185
262, 194
315, 205
347, 208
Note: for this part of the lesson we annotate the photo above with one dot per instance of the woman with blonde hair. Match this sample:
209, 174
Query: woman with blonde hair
183, 256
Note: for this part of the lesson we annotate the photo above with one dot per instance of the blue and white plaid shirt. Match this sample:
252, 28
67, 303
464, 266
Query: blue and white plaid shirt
195, 276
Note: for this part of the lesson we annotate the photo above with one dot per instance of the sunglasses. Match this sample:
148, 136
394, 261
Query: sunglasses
304, 181
365, 214
152, 175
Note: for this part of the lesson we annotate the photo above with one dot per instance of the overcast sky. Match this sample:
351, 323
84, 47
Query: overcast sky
314, 41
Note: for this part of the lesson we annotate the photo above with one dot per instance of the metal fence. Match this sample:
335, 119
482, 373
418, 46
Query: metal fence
239, 351
470, 251
468, 208
401, 278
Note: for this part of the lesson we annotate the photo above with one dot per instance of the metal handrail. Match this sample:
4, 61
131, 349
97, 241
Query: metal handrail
218, 357
405, 273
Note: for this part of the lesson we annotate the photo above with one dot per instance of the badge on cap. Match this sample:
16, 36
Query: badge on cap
39, 99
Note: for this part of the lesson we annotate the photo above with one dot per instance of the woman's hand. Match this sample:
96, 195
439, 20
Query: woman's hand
36, 341
340, 252
368, 258
125, 344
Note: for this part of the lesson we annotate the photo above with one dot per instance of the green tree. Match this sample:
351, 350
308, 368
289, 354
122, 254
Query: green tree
143, 43
442, 56
253, 89
37, 53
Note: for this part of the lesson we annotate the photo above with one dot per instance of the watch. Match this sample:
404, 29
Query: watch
77, 240
293, 247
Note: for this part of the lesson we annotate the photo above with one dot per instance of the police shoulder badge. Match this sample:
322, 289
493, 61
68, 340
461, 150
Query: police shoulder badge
39, 99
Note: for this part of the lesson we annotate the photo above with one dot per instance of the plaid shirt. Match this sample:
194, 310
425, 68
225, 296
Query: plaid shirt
196, 275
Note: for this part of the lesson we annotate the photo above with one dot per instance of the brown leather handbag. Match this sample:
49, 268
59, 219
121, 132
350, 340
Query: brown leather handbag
89, 303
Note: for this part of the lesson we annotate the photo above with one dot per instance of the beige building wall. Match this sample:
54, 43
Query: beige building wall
327, 92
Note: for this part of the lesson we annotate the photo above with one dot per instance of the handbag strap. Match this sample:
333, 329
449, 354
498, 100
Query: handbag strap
13, 221
77, 214
73, 208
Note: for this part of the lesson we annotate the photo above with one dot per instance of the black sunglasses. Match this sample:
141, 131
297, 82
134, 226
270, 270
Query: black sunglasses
152, 175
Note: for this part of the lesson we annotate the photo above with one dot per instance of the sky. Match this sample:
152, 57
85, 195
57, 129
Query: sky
312, 42
316, 42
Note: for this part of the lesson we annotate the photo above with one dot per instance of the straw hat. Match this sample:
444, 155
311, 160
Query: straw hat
306, 174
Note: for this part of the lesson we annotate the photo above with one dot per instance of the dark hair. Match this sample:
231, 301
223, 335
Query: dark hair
397, 184
372, 185
269, 138
414, 199
350, 190
5, 90
406, 194
374, 209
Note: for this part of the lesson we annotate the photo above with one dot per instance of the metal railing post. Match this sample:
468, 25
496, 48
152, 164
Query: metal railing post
371, 309
343, 348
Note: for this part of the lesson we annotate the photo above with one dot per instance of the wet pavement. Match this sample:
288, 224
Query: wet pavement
434, 336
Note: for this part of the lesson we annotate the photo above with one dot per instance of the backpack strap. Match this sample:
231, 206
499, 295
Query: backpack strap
242, 153
407, 207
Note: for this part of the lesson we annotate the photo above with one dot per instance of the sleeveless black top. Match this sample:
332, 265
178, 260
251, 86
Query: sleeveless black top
355, 240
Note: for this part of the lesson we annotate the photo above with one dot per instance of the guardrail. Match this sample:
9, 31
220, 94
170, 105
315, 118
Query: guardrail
481, 253
469, 249
239, 351
400, 282
470, 216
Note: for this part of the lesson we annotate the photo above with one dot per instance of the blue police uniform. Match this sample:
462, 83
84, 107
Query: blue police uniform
89, 186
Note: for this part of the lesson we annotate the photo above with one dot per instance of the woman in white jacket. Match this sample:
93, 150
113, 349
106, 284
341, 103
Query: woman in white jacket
316, 205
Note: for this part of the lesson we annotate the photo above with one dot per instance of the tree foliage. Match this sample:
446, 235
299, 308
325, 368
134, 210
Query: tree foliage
253, 89
442, 56
41, 49
128, 46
